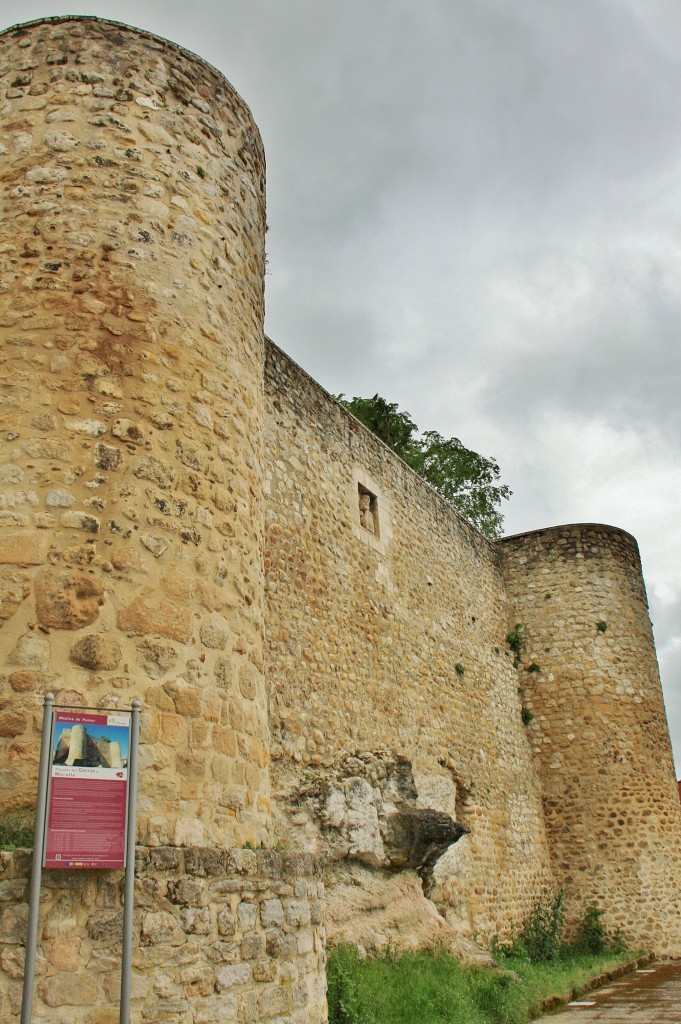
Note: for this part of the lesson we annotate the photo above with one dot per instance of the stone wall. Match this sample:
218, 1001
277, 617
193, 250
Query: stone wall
138, 456
229, 935
394, 639
599, 731
131, 351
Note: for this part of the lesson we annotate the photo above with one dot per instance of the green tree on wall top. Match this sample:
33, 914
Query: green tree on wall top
466, 480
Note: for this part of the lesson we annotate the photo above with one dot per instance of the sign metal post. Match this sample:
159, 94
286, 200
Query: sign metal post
37, 864
129, 890
86, 814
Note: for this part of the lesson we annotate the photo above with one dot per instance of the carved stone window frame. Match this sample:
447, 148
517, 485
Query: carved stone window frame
381, 506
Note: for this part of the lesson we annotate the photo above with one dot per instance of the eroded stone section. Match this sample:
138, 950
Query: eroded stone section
364, 808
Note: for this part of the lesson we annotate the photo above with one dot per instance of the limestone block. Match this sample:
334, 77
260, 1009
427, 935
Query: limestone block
222, 1007
96, 652
197, 981
158, 831
46, 175
48, 447
14, 588
107, 456
226, 921
90, 428
161, 927
105, 926
30, 547
156, 657
13, 922
64, 954
253, 946
297, 913
60, 141
264, 970
80, 521
67, 599
274, 1002
32, 650
12, 959
12, 723
189, 832
12, 889
105, 1014
143, 616
187, 891
61, 918
214, 633
271, 913
164, 986
69, 990
156, 545
232, 975
165, 859
195, 920
23, 682
59, 498
159, 471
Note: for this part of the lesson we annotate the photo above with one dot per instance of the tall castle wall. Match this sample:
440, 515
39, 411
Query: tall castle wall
131, 521
131, 268
169, 531
395, 639
599, 731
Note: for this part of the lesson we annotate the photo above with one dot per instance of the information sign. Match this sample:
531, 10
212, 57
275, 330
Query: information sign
88, 790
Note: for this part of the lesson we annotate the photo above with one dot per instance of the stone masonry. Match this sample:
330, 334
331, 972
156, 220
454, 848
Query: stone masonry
131, 259
599, 731
229, 935
395, 639
330, 661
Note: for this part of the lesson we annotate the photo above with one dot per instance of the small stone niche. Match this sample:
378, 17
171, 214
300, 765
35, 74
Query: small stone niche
368, 510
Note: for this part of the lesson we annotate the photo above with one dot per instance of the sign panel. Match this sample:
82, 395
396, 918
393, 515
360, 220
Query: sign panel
88, 794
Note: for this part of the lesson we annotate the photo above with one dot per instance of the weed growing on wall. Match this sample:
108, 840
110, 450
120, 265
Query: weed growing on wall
16, 828
515, 641
542, 935
592, 938
542, 939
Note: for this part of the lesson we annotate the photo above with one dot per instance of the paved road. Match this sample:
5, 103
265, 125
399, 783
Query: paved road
650, 996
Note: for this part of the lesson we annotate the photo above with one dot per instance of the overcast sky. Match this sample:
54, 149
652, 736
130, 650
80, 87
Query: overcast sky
475, 210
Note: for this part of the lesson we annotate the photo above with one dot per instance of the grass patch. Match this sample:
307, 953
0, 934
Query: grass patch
568, 974
16, 828
433, 988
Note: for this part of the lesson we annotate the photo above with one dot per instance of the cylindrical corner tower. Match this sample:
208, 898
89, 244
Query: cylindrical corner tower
131, 332
599, 731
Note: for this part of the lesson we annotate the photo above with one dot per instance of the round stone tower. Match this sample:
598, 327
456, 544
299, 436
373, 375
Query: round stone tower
131, 343
599, 731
